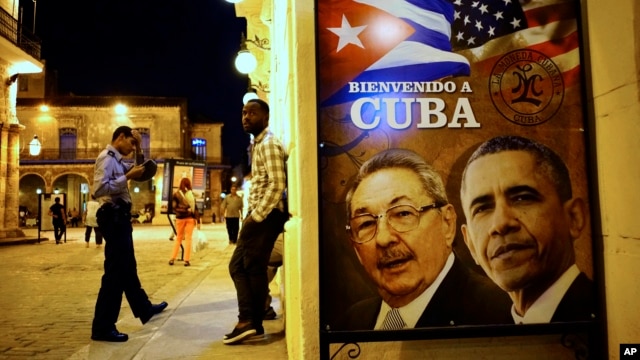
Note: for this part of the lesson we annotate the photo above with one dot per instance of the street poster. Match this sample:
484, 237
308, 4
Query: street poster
454, 182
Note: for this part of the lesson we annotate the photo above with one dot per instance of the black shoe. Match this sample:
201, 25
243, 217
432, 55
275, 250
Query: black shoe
113, 336
270, 314
259, 332
155, 309
239, 334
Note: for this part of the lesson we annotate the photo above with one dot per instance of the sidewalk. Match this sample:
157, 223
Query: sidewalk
202, 307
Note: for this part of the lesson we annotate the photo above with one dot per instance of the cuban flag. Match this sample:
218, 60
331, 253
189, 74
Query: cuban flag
384, 40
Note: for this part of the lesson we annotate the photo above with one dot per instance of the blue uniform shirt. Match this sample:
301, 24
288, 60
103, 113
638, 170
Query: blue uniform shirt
109, 180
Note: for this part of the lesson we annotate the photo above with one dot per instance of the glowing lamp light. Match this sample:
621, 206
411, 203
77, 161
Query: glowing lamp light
44, 108
120, 109
136, 189
249, 96
34, 146
233, 1
246, 62
38, 191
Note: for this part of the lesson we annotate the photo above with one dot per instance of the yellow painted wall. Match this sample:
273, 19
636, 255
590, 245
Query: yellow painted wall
614, 34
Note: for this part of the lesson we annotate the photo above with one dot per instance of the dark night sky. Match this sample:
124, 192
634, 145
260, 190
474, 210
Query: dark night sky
172, 48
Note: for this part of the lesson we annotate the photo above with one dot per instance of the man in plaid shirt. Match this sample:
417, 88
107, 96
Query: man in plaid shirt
262, 225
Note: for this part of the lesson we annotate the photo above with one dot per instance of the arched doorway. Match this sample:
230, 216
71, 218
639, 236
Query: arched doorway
31, 185
77, 189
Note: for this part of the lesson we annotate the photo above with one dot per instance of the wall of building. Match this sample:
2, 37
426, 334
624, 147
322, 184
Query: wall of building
32, 86
614, 62
95, 125
212, 133
10, 6
169, 131
9, 131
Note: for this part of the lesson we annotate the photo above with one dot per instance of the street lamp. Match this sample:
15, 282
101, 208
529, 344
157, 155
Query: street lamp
34, 146
120, 109
249, 96
246, 62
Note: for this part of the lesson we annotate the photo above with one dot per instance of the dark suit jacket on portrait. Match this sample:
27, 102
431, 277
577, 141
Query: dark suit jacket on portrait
463, 298
578, 303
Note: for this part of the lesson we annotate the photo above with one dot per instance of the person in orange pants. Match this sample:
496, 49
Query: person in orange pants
187, 218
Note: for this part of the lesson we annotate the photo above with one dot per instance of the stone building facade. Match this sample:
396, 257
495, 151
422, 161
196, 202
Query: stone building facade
72, 131
19, 54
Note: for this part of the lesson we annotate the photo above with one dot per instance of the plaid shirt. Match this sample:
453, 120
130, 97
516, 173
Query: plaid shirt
268, 175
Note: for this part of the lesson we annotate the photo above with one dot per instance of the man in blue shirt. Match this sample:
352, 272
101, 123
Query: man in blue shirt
110, 188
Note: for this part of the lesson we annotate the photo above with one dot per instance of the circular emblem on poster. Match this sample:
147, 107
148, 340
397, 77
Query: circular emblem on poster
526, 87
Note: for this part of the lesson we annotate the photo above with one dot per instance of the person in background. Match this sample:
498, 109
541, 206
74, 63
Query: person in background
59, 219
260, 228
91, 222
522, 221
75, 217
187, 218
110, 188
231, 207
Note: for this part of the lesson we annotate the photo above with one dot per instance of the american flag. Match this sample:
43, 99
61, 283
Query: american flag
486, 29
476, 22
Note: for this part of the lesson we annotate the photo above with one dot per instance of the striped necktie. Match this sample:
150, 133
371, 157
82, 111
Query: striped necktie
393, 320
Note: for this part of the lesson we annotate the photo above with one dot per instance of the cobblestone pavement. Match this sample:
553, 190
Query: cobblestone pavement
48, 291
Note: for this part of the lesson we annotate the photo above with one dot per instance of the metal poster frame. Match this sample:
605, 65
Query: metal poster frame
176, 169
411, 75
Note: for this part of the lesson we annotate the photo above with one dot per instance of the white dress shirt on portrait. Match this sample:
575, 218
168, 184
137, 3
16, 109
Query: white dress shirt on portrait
412, 312
541, 311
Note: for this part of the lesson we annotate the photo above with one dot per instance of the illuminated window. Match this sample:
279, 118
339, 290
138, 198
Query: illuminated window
199, 149
68, 143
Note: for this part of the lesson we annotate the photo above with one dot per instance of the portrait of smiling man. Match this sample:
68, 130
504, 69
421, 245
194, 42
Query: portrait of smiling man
521, 222
402, 226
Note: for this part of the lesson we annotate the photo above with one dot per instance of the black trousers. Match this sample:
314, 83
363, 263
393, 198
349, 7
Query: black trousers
120, 271
87, 234
58, 230
248, 265
233, 225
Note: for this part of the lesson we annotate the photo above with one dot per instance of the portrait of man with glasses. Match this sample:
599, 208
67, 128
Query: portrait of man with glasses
402, 227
